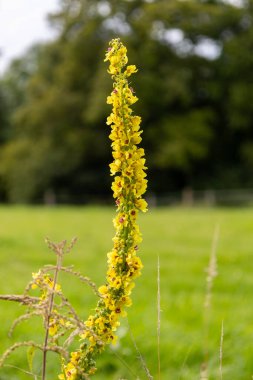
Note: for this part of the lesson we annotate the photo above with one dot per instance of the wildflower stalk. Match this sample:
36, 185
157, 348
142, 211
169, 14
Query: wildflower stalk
59, 316
158, 319
59, 254
221, 348
211, 274
140, 357
129, 185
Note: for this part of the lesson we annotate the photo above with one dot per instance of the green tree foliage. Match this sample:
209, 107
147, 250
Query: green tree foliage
194, 86
3, 117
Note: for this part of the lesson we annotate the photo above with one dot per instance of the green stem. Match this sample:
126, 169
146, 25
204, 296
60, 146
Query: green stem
49, 312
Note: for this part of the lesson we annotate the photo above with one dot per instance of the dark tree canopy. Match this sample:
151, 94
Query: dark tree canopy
195, 89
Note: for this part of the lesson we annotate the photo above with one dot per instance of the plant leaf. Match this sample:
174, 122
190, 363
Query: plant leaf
30, 356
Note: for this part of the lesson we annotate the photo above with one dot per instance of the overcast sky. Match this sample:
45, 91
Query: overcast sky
22, 23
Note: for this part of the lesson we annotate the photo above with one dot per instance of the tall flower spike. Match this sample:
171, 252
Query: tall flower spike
129, 185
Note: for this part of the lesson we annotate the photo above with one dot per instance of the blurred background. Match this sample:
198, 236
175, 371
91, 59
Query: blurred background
195, 89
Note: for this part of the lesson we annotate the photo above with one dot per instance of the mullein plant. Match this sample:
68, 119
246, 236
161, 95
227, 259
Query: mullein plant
129, 185
124, 265
43, 298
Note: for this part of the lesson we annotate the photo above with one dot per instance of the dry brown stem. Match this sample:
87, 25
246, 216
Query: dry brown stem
52, 348
24, 299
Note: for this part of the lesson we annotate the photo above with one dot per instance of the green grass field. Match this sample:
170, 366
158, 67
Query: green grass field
182, 239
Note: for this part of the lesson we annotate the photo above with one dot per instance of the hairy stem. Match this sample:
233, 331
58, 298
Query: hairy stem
59, 253
25, 300
158, 318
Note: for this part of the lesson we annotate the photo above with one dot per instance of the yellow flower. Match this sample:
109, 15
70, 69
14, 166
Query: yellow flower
53, 328
115, 166
75, 357
103, 289
100, 322
128, 167
130, 70
92, 370
141, 204
70, 372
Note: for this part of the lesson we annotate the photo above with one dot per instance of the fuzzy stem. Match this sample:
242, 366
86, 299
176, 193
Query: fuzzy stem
158, 318
140, 357
211, 274
25, 300
49, 311
221, 348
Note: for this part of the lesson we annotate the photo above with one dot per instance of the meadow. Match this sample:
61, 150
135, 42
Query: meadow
182, 239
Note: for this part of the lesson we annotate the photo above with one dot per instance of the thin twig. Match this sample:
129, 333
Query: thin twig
22, 318
82, 278
143, 363
22, 370
184, 362
211, 274
123, 362
158, 319
71, 337
221, 348
66, 303
53, 348
70, 270
59, 252
212, 268
24, 299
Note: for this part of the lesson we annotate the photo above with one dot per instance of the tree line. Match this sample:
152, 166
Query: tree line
195, 90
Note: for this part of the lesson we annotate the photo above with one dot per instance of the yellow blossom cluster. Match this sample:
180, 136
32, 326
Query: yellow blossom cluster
129, 185
56, 323
71, 369
45, 283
